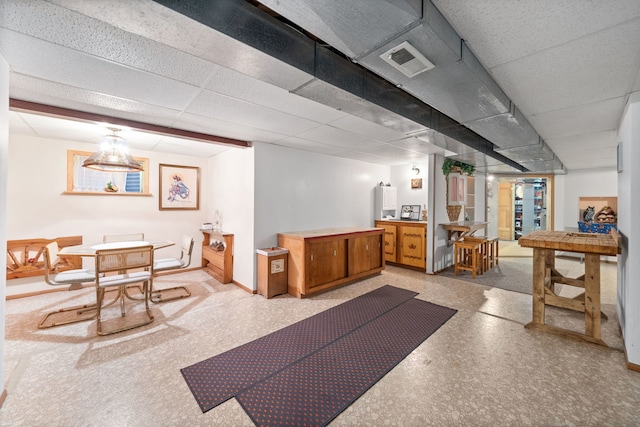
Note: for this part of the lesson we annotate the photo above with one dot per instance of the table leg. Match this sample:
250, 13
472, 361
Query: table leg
592, 307
539, 270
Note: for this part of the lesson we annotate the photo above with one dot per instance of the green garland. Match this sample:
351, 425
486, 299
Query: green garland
449, 164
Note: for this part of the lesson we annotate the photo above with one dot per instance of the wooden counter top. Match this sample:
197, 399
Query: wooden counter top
401, 221
325, 232
602, 244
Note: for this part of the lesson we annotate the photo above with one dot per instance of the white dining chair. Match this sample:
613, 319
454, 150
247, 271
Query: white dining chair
114, 270
72, 278
129, 237
168, 264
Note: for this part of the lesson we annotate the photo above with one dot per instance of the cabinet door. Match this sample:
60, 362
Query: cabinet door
390, 236
389, 198
326, 262
413, 246
364, 253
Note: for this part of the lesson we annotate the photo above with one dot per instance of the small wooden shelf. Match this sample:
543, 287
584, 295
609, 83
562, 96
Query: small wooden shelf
218, 263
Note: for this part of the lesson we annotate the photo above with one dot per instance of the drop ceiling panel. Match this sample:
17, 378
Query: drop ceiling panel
239, 86
225, 129
591, 159
46, 92
337, 137
489, 30
81, 33
581, 119
572, 145
583, 71
51, 62
213, 105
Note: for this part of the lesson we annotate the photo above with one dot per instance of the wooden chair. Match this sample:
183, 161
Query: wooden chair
467, 257
168, 264
72, 278
129, 237
121, 262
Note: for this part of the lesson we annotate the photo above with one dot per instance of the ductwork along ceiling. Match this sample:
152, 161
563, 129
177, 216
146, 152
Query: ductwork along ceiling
455, 105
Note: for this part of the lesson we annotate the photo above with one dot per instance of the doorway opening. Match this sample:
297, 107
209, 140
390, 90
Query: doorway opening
518, 205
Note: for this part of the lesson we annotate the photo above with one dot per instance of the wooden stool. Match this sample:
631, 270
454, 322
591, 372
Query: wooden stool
483, 259
467, 257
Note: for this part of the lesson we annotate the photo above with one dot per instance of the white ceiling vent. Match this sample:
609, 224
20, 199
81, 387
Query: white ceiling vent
406, 59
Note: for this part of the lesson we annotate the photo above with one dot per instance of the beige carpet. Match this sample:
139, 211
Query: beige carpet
516, 274
510, 248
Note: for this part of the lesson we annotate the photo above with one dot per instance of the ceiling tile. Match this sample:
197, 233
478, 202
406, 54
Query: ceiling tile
488, 27
225, 129
51, 62
598, 67
579, 120
213, 105
338, 137
236, 85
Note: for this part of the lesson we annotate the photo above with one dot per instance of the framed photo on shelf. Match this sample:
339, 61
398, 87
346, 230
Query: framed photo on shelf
179, 187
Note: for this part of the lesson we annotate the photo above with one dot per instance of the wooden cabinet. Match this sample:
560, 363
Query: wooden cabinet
218, 263
405, 242
390, 239
323, 259
366, 253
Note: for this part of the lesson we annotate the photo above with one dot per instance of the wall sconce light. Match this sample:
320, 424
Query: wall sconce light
416, 170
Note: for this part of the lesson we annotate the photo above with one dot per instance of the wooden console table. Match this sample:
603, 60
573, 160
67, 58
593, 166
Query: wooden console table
323, 259
544, 244
218, 263
460, 229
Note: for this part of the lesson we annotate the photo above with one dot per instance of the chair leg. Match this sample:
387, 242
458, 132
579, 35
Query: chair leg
79, 309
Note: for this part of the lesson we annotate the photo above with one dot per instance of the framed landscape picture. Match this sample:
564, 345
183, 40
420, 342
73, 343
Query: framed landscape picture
179, 187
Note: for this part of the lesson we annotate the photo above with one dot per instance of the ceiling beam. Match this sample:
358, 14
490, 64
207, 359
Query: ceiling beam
66, 113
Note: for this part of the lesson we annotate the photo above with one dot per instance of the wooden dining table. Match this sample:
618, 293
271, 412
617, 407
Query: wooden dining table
544, 244
90, 250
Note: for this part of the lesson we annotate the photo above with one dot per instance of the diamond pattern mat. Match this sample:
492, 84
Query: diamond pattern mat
219, 378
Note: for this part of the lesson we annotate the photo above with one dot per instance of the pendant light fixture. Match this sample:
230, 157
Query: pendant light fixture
113, 155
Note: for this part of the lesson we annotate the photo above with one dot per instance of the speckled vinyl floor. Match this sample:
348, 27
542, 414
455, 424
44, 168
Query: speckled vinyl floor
482, 368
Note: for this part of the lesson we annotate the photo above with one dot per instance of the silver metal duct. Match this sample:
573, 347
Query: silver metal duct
458, 86
479, 123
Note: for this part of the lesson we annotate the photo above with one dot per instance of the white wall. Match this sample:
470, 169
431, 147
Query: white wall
232, 194
4, 155
297, 190
581, 183
439, 253
401, 177
629, 227
37, 208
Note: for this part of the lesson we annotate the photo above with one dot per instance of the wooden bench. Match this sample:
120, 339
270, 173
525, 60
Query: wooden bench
25, 257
